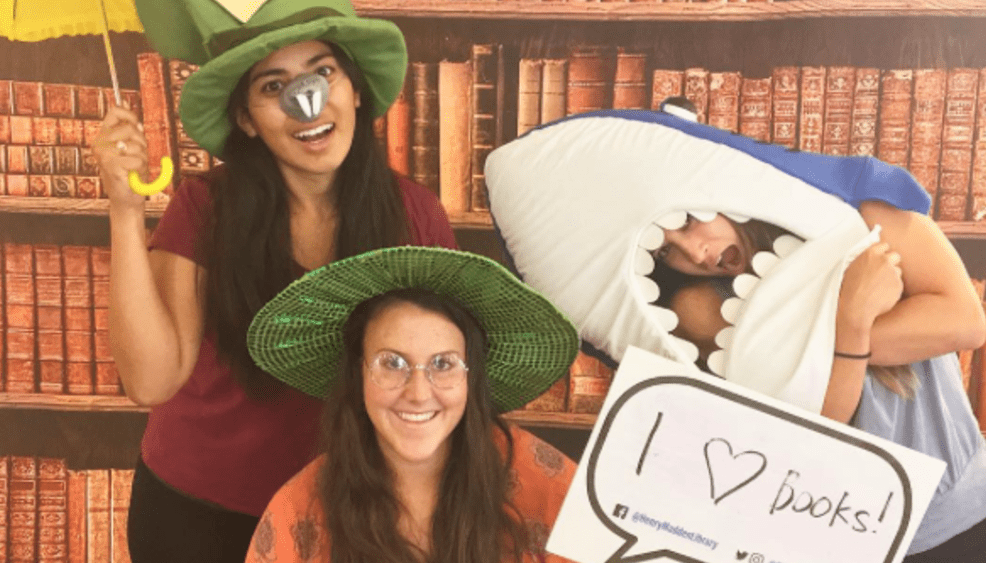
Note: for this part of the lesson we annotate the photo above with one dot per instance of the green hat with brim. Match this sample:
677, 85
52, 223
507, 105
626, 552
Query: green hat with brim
207, 33
297, 336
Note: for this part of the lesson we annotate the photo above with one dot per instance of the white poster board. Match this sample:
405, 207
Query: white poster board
685, 467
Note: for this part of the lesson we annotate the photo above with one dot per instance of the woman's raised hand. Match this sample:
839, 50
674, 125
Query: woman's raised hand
872, 285
121, 147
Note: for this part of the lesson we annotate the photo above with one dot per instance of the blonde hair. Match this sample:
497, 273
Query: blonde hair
898, 379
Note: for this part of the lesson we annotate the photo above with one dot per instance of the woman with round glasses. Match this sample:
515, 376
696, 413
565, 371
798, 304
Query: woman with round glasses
417, 351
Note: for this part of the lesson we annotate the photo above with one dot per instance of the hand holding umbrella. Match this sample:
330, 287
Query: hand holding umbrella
36, 20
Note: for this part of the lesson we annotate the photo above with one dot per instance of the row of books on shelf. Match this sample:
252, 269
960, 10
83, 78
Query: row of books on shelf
54, 319
930, 121
588, 381
49, 513
47, 131
46, 137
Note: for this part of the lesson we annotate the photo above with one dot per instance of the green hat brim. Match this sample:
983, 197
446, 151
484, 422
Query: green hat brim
297, 336
376, 46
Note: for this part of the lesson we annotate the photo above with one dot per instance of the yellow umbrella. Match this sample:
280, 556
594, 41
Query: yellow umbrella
37, 20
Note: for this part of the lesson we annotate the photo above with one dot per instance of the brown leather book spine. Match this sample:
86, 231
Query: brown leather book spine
399, 132
424, 126
957, 143
59, 100
70, 132
22, 526
455, 146
839, 84
91, 103
120, 484
20, 306
666, 84
4, 504
485, 71
98, 546
554, 78
90, 130
977, 196
588, 384
66, 168
76, 532
50, 305
894, 123
107, 381
812, 114
697, 91
724, 93
45, 131
155, 115
21, 130
6, 97
591, 71
630, 80
52, 511
529, 77
926, 129
755, 108
552, 400
28, 98
178, 73
865, 107
78, 319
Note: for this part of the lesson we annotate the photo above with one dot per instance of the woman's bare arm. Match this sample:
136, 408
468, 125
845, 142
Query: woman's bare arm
940, 311
155, 314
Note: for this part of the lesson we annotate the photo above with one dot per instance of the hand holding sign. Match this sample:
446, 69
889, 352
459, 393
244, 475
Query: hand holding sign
696, 469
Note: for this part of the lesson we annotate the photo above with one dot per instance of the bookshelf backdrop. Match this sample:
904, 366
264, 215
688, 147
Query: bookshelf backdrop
904, 81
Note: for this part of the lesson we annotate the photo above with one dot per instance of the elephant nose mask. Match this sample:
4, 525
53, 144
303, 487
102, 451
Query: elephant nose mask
305, 97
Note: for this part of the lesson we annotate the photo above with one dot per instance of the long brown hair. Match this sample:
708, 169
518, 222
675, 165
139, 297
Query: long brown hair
247, 241
474, 519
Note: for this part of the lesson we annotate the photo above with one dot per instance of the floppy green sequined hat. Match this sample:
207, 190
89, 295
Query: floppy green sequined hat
227, 37
297, 336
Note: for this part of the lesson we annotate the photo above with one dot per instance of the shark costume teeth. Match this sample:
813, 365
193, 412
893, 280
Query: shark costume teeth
581, 204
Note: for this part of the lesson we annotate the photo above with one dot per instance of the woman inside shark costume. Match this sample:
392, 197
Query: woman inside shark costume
605, 212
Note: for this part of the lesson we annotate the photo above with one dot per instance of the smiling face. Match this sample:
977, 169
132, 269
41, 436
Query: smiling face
312, 150
413, 423
705, 248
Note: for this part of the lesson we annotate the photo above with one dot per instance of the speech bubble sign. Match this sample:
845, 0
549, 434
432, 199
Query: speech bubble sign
695, 469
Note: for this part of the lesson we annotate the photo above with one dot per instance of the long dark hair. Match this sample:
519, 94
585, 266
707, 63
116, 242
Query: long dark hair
247, 247
474, 519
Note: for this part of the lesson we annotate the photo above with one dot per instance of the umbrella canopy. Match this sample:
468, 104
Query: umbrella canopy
37, 20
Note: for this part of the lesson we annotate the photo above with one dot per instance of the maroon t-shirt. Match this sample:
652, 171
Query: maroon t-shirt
210, 440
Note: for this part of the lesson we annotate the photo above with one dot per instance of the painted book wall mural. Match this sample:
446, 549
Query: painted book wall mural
902, 81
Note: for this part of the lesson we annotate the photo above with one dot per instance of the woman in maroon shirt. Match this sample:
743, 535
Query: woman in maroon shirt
303, 184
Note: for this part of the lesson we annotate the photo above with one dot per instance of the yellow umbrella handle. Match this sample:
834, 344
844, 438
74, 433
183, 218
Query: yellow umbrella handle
162, 181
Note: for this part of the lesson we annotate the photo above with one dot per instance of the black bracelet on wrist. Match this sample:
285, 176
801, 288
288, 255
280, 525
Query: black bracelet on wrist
865, 356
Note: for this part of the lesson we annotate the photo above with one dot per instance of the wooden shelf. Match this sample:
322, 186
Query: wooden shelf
67, 206
471, 220
964, 229
95, 403
669, 11
552, 419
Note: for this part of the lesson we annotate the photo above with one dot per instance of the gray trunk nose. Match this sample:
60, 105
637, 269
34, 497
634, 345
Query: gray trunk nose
304, 97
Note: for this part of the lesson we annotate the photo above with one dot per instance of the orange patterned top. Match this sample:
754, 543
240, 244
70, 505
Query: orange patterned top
292, 529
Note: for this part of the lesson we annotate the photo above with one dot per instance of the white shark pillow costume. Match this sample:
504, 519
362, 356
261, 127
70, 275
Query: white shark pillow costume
580, 204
